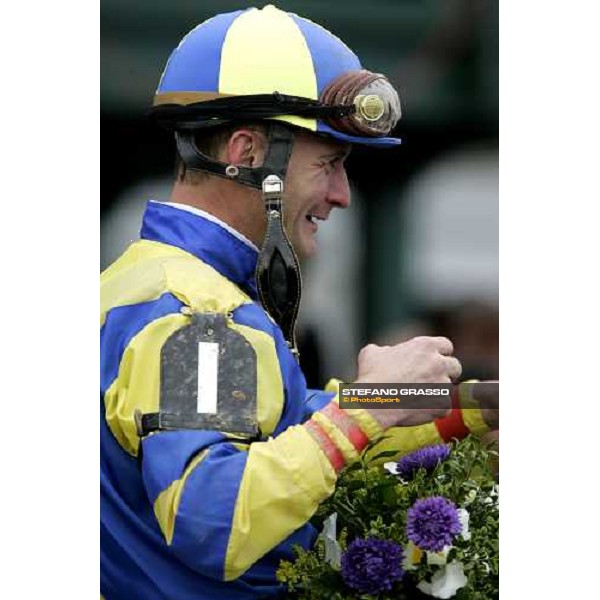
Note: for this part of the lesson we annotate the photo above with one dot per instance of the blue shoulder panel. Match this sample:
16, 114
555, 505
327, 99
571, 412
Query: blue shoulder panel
121, 325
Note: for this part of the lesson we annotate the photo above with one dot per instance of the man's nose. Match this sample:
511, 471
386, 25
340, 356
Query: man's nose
339, 188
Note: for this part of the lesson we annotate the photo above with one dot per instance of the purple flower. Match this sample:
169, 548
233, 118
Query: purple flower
371, 566
427, 458
432, 523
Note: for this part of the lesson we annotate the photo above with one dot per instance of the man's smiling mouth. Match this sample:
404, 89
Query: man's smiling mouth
313, 218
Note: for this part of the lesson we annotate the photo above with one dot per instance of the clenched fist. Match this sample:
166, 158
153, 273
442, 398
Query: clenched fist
420, 360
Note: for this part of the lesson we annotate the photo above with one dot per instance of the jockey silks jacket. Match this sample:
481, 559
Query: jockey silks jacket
197, 514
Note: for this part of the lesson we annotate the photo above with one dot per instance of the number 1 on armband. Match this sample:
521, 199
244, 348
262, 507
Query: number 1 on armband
208, 374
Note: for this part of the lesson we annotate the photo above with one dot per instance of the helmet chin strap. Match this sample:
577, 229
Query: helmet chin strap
277, 271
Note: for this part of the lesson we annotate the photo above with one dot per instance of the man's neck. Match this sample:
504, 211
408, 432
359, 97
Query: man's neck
210, 217
234, 205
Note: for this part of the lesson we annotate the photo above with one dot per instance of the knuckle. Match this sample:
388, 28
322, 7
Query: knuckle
455, 365
425, 341
441, 364
446, 344
367, 351
418, 341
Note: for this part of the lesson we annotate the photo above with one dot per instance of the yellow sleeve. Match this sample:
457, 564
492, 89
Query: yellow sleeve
465, 419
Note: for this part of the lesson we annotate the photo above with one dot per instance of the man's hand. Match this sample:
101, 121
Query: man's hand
420, 360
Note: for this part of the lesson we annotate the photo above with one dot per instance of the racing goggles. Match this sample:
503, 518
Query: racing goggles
356, 103
375, 104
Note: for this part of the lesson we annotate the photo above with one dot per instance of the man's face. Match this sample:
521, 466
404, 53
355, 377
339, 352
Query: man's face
316, 183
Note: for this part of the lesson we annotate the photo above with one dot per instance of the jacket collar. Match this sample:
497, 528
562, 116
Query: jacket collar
206, 237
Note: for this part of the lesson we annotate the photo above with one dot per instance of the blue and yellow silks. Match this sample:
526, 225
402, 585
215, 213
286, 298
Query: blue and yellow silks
190, 514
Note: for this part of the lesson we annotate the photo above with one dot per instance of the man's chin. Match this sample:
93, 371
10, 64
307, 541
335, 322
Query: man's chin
304, 244
306, 249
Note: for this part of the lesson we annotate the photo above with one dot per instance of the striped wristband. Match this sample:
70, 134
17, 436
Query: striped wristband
347, 425
331, 451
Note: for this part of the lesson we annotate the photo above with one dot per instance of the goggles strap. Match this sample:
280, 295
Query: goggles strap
207, 113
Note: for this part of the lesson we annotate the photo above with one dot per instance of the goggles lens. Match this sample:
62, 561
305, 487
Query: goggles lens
376, 104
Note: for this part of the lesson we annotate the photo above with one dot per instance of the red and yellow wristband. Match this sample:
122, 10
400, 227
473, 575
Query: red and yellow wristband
452, 426
327, 445
342, 434
465, 417
338, 434
343, 430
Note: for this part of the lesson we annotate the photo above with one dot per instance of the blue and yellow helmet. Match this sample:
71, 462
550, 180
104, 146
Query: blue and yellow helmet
270, 64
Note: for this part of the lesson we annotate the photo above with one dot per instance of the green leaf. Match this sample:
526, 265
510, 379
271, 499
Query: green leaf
351, 468
384, 454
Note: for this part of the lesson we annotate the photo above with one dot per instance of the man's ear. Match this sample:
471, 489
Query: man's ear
246, 147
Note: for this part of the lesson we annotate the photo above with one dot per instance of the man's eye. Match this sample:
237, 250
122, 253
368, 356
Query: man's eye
329, 165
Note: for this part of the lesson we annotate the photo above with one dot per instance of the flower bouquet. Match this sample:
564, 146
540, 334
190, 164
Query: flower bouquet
426, 526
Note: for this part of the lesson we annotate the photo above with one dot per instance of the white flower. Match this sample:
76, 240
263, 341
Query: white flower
446, 582
438, 558
494, 494
333, 552
463, 515
441, 558
391, 467
412, 556
470, 497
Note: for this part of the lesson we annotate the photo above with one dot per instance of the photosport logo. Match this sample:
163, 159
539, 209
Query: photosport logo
394, 395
